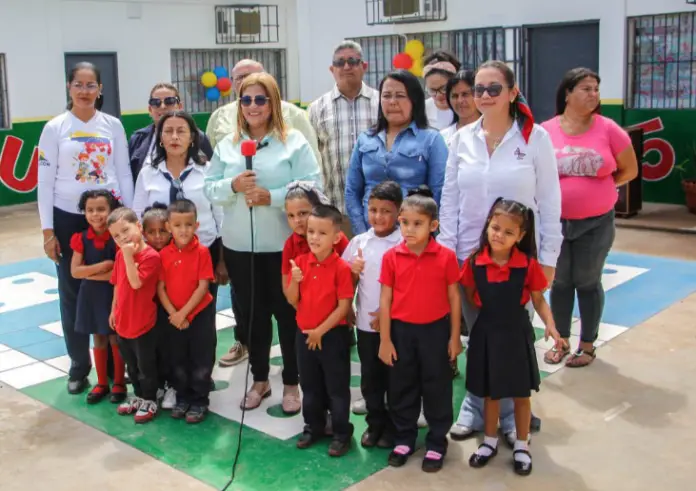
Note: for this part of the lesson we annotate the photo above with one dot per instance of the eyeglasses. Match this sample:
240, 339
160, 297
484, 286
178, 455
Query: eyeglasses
434, 92
494, 90
259, 100
168, 101
341, 62
90, 87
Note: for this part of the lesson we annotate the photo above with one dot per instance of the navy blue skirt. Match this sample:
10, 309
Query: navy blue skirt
93, 307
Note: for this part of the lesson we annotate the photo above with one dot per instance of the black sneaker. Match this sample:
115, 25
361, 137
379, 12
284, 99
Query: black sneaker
398, 459
196, 414
179, 411
307, 439
338, 448
369, 438
77, 386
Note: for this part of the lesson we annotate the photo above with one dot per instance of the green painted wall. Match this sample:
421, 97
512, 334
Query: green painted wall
669, 136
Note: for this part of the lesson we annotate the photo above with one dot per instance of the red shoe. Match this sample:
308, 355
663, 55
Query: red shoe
130, 406
146, 412
98, 393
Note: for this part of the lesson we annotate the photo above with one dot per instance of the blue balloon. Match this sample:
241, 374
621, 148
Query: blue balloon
221, 72
212, 94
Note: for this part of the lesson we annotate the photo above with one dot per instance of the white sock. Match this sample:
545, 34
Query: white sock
484, 451
519, 456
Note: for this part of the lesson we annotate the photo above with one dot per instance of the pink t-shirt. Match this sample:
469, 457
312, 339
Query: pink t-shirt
585, 165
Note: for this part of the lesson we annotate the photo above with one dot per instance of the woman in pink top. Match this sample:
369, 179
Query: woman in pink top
594, 156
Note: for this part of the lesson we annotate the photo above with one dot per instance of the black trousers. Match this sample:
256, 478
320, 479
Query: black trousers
422, 371
325, 381
140, 355
374, 383
164, 358
192, 354
64, 226
269, 302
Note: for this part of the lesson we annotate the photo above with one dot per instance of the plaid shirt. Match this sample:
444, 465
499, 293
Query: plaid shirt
338, 122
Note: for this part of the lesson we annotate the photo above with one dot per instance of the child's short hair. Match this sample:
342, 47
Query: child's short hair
158, 211
182, 206
518, 210
121, 213
98, 193
421, 198
388, 191
306, 190
329, 212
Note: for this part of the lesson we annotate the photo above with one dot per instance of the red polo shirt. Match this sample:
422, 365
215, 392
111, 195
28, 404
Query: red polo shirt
182, 269
323, 285
297, 245
135, 310
419, 283
535, 281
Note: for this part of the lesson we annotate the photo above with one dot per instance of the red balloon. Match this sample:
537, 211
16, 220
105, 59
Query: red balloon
402, 61
224, 84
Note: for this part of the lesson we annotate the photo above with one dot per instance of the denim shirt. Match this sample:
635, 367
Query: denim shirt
418, 156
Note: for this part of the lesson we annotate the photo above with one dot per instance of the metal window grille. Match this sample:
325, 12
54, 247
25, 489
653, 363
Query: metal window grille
404, 11
4, 96
661, 61
189, 64
246, 24
472, 47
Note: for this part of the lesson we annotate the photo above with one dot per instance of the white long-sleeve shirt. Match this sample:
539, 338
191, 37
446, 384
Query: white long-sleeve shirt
152, 187
75, 156
520, 171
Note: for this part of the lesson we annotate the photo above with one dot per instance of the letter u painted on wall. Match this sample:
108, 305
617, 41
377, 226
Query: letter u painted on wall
9, 165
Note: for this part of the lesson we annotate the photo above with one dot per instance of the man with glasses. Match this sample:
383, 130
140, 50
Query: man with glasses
224, 122
339, 116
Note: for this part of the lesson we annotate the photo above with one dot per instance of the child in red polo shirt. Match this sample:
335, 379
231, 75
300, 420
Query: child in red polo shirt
133, 311
499, 278
420, 318
321, 289
187, 270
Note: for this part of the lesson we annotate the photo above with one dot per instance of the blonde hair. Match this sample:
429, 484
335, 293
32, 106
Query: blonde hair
270, 86
165, 85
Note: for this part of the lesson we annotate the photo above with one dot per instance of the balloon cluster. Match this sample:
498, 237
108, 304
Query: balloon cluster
217, 83
411, 59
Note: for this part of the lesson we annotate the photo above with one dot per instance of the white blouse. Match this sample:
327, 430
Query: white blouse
520, 171
437, 118
152, 187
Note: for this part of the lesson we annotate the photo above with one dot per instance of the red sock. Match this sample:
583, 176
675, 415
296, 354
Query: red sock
119, 366
101, 359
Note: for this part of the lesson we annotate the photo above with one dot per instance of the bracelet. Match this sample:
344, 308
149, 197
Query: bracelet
49, 240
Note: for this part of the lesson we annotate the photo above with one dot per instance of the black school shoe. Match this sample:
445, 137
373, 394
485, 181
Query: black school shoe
522, 468
307, 439
196, 414
432, 462
478, 461
338, 448
77, 386
369, 438
118, 394
399, 459
179, 411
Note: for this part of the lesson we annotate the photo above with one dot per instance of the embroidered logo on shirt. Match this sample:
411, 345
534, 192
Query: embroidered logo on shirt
519, 154
43, 161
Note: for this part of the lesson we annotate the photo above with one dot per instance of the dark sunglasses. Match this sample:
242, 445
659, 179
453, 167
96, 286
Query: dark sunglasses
493, 90
168, 101
259, 100
341, 62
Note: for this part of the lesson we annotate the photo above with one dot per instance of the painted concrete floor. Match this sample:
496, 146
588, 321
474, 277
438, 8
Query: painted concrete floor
623, 423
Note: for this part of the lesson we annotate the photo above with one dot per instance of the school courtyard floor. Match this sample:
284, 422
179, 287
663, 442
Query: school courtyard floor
625, 423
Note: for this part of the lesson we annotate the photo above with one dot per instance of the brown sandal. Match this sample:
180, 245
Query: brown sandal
555, 356
581, 358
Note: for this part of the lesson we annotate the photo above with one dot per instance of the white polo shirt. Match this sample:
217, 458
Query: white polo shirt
373, 249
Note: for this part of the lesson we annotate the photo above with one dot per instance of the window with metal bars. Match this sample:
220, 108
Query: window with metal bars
471, 47
661, 61
246, 24
404, 11
189, 64
4, 96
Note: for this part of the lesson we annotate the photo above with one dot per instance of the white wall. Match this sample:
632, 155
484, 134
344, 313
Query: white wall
35, 34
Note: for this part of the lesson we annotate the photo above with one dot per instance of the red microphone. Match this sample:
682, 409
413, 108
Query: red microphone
248, 150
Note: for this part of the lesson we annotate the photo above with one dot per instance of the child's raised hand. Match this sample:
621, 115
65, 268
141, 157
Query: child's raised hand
358, 264
387, 353
128, 249
177, 319
374, 322
454, 348
295, 272
314, 339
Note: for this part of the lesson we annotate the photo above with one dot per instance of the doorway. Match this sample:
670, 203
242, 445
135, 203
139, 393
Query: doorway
107, 64
552, 50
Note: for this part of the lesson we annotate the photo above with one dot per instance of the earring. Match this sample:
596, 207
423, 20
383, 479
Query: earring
191, 144
161, 145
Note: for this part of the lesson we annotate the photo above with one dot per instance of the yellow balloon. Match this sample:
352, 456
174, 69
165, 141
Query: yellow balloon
417, 68
414, 48
208, 79
226, 93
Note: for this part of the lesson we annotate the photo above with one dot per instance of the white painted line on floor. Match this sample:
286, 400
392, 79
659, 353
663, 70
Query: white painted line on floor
617, 411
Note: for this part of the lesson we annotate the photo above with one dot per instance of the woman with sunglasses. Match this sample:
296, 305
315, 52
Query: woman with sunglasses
439, 68
164, 97
80, 150
503, 154
460, 98
283, 156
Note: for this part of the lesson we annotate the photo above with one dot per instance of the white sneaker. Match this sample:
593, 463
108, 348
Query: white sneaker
169, 400
159, 396
460, 432
422, 422
359, 407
